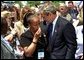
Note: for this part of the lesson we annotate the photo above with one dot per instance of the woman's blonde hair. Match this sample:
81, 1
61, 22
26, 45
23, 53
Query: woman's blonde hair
19, 28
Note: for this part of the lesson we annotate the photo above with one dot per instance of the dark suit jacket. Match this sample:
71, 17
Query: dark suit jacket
62, 45
6, 53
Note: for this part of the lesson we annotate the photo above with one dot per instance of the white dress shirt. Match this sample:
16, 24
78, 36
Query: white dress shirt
79, 35
54, 23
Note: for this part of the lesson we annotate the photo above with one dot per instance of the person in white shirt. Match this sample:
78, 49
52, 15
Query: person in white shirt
79, 34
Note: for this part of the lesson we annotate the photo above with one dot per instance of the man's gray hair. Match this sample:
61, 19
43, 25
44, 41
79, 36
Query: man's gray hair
51, 9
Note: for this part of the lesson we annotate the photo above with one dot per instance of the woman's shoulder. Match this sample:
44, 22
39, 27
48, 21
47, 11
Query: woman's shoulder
27, 34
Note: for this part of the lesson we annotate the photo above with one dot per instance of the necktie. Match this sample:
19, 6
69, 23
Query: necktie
50, 27
49, 34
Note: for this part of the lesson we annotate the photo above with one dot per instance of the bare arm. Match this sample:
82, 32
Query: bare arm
10, 36
30, 49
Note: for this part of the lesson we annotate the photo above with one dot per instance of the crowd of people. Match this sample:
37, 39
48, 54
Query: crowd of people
42, 31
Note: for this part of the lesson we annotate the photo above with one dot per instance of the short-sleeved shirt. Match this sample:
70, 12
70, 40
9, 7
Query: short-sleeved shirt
26, 40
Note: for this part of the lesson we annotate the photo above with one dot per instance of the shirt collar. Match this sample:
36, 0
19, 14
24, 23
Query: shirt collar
6, 42
55, 20
3, 39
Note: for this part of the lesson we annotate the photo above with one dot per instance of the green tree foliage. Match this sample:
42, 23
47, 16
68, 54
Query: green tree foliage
32, 3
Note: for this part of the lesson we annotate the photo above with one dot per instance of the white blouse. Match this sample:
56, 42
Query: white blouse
79, 35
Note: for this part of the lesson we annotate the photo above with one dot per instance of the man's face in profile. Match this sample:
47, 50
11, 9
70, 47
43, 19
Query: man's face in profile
48, 17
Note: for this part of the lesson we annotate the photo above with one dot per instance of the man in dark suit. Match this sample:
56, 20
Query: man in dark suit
62, 38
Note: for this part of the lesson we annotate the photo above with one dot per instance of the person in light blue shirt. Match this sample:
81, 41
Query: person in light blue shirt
6, 49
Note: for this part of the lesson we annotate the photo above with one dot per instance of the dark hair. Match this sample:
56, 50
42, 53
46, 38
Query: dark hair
25, 19
24, 10
4, 26
70, 2
30, 18
14, 9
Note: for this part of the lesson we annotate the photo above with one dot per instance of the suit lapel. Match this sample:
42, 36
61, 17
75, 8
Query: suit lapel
55, 31
56, 27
